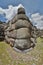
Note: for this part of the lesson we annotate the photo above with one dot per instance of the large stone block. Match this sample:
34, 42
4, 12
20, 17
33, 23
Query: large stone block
22, 44
23, 33
22, 23
20, 16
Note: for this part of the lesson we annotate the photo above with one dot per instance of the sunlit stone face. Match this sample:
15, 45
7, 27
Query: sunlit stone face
22, 45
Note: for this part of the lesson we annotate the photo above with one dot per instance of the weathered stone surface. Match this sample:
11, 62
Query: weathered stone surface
22, 44
19, 16
12, 34
12, 27
23, 33
22, 23
2, 35
12, 42
33, 40
7, 39
40, 33
21, 10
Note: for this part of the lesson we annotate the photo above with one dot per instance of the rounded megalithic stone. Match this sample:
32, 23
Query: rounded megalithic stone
20, 16
23, 33
22, 44
22, 23
21, 10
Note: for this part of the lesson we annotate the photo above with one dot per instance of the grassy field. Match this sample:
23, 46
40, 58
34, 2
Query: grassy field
10, 57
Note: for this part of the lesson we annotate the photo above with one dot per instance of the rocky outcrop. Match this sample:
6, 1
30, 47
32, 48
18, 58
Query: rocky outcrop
41, 33
2, 35
19, 32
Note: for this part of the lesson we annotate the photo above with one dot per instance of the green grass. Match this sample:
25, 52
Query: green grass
33, 57
4, 56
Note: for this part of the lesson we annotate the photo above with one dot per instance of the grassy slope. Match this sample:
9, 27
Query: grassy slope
4, 56
10, 57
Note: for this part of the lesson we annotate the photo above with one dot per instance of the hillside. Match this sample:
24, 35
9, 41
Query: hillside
10, 57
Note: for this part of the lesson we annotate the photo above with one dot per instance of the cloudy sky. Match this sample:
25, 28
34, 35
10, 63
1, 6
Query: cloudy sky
34, 10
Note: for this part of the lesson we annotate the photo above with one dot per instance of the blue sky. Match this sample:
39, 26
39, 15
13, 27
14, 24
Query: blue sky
34, 7
30, 5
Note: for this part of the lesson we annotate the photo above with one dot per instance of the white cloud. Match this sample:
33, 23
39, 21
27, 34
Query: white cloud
38, 19
10, 12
